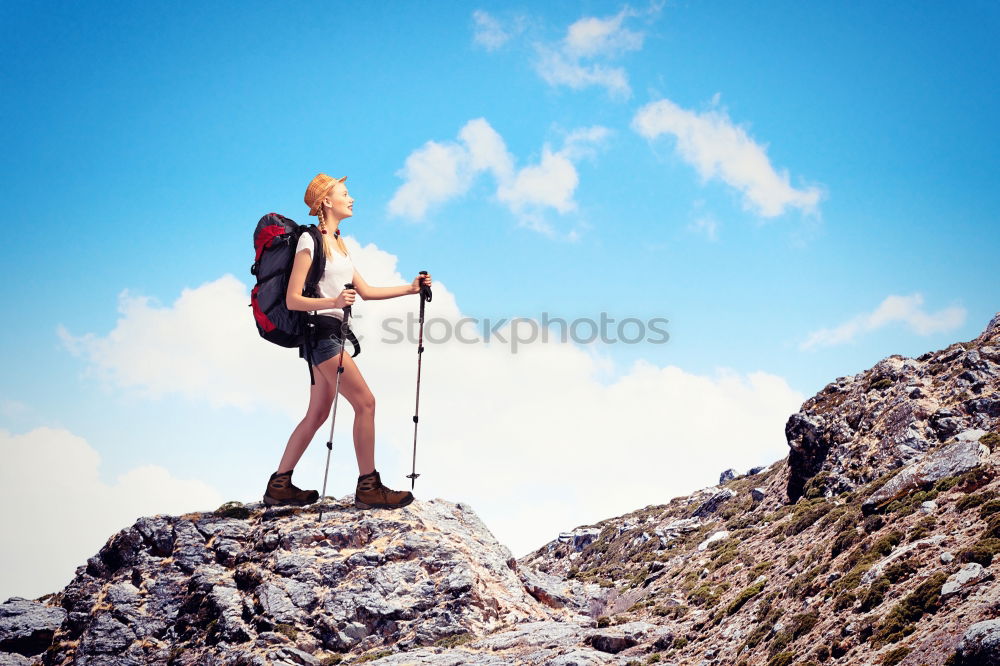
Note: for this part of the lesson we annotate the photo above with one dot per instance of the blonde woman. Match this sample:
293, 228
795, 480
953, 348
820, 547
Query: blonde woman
330, 201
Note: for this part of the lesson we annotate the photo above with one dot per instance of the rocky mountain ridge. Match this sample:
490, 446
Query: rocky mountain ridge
871, 543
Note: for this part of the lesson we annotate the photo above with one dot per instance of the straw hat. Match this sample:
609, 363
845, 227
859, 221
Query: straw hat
318, 188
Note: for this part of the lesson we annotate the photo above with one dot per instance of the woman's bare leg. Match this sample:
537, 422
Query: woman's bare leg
355, 389
320, 399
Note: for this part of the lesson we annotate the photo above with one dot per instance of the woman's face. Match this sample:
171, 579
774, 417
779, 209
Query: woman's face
340, 201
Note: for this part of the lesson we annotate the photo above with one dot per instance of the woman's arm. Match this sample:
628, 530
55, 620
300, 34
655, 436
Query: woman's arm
294, 300
370, 293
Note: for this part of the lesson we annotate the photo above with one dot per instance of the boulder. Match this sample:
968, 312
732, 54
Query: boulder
948, 460
27, 627
979, 645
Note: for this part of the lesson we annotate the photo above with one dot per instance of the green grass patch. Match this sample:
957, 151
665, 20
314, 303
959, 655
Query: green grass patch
809, 514
744, 596
990, 440
875, 594
233, 510
989, 508
287, 630
975, 499
894, 656
900, 621
925, 527
982, 552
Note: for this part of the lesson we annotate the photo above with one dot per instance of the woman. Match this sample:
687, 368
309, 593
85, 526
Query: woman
329, 200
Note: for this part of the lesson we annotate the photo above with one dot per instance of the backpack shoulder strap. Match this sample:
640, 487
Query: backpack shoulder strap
318, 263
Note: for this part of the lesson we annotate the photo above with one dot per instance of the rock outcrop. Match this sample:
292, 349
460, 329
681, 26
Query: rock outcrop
263, 585
861, 427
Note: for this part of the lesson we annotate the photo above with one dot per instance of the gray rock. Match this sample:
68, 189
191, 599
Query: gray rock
228, 606
682, 525
809, 444
106, 636
898, 553
946, 423
973, 435
715, 536
949, 460
158, 531
27, 627
433, 657
757, 494
286, 654
532, 634
553, 591
712, 504
230, 528
727, 475
580, 538
276, 603
620, 637
189, 546
968, 575
946, 557
980, 644
579, 658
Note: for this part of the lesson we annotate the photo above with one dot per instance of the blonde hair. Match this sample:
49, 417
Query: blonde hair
328, 237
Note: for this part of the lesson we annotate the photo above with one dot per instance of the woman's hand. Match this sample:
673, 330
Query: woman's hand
417, 282
344, 298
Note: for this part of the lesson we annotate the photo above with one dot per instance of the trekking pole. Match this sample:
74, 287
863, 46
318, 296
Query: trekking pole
425, 297
336, 394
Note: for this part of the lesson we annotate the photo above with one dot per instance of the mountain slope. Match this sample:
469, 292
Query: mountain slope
872, 542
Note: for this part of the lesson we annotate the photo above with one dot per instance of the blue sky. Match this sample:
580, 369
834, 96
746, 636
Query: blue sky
800, 189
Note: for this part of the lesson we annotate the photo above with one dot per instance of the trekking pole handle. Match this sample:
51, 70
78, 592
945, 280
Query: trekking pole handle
347, 308
425, 290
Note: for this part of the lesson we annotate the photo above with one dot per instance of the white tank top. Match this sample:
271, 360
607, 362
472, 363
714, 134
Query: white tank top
339, 270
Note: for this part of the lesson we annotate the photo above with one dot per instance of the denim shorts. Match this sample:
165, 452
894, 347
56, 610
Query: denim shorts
326, 347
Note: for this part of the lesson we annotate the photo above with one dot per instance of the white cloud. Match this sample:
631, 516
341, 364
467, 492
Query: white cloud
486, 150
592, 36
60, 512
719, 149
579, 59
437, 172
434, 173
490, 33
506, 432
551, 183
905, 309
557, 68
576, 60
582, 142
210, 327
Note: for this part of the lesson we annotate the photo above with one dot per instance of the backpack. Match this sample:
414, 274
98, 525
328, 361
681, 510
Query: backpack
274, 241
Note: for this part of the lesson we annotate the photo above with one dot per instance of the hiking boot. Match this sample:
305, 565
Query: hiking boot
281, 491
371, 494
